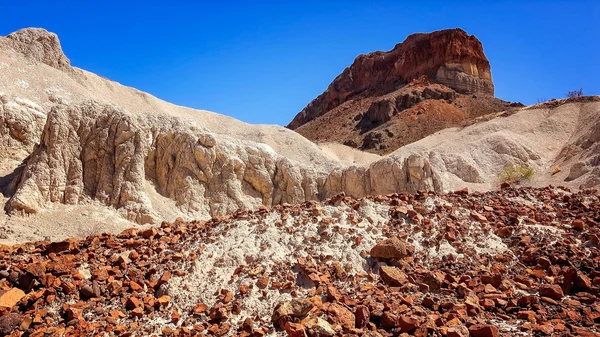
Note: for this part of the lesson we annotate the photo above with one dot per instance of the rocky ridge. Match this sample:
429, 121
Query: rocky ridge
511, 262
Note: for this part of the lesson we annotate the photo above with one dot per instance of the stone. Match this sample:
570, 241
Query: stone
583, 282
341, 315
391, 248
164, 300
9, 298
478, 216
388, 320
9, 322
293, 308
295, 329
392, 276
578, 224
551, 290
483, 330
457, 331
317, 327
362, 315
407, 323
132, 303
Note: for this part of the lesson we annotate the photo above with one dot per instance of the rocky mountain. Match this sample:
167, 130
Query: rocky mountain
82, 154
388, 99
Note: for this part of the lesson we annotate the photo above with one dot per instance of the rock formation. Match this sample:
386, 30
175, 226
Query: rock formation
90, 151
386, 100
40, 45
98, 152
450, 57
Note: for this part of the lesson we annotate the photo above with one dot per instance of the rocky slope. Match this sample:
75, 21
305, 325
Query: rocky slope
514, 262
389, 90
80, 150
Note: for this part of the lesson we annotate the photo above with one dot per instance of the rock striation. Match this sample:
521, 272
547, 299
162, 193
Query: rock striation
450, 57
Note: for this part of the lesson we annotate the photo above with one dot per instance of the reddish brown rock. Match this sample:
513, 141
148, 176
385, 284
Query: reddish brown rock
407, 323
483, 330
388, 320
392, 276
341, 315
551, 290
9, 322
132, 303
583, 282
9, 298
578, 224
294, 308
478, 216
391, 248
457, 331
295, 330
362, 316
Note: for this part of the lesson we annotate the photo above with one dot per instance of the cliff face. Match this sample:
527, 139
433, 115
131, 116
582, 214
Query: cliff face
450, 57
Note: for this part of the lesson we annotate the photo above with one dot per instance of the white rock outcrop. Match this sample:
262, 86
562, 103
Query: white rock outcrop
100, 152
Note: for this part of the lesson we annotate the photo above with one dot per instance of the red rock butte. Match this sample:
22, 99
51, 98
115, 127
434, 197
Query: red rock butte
450, 57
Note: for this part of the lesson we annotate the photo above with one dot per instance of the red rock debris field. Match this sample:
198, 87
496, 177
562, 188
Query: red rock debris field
512, 262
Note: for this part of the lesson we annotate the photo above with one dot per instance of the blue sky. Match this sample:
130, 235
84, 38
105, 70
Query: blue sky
263, 62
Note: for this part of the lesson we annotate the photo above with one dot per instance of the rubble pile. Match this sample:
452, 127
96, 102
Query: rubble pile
512, 262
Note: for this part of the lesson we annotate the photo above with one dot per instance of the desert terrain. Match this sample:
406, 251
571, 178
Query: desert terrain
381, 210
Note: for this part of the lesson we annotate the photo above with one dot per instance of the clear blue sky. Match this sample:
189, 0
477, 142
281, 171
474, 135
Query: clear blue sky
263, 62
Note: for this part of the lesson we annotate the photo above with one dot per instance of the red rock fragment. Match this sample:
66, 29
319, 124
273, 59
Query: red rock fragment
9, 298
391, 248
164, 300
583, 282
457, 331
483, 330
341, 315
132, 303
551, 290
200, 308
392, 276
407, 323
578, 224
9, 322
478, 216
362, 315
175, 316
388, 320
295, 329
